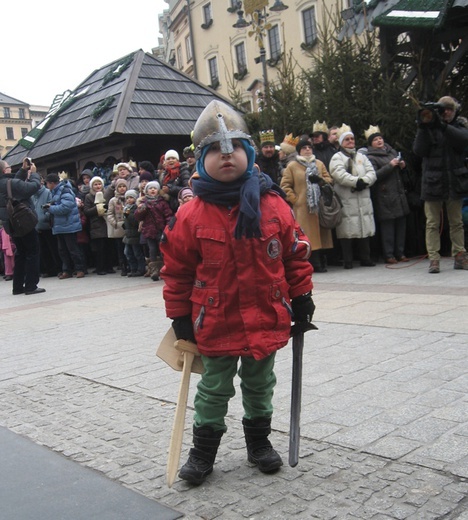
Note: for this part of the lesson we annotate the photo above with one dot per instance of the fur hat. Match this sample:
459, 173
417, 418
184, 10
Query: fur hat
96, 178
188, 152
125, 165
289, 144
152, 184
171, 153
146, 176
131, 193
52, 177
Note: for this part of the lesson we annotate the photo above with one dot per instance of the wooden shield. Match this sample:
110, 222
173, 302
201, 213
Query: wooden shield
175, 358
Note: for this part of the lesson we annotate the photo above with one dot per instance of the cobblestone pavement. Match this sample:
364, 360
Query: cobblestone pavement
384, 425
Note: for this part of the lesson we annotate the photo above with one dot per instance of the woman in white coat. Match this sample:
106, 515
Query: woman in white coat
353, 174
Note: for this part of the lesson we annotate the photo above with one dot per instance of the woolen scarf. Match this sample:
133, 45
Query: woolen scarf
245, 191
313, 189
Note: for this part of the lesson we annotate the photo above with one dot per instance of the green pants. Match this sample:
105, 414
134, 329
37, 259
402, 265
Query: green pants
433, 210
216, 387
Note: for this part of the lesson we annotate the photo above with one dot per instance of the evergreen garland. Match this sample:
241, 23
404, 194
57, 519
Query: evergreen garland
102, 107
118, 69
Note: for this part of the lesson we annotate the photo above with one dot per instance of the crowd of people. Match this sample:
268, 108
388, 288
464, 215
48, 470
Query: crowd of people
104, 223
92, 224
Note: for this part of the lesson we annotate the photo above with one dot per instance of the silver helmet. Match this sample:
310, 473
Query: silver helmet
219, 123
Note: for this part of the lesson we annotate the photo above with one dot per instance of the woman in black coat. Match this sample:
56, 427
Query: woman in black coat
388, 197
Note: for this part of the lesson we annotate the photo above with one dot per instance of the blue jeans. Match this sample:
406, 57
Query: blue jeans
135, 257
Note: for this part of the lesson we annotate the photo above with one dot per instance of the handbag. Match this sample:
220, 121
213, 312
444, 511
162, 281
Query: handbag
329, 208
22, 218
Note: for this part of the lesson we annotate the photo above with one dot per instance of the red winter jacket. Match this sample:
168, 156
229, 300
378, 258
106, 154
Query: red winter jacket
237, 291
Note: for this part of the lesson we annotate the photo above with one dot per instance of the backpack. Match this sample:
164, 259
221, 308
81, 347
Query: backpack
22, 218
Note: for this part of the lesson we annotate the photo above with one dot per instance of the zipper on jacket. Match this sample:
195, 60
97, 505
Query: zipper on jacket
199, 321
288, 307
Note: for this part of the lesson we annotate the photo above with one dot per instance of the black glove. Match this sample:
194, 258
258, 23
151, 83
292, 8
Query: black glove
315, 179
303, 308
183, 328
361, 185
327, 194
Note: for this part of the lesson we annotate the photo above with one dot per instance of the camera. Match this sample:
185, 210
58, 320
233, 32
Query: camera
29, 160
429, 113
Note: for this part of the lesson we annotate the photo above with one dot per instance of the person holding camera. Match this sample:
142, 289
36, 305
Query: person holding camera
25, 183
388, 196
66, 224
441, 141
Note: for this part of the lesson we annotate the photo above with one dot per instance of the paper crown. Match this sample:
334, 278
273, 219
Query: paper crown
344, 128
289, 144
133, 164
320, 127
267, 137
63, 175
371, 130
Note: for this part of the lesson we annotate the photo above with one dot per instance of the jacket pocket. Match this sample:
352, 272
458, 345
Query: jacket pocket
460, 180
212, 243
205, 306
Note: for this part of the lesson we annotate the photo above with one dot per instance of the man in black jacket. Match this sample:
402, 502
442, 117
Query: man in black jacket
268, 158
25, 183
441, 141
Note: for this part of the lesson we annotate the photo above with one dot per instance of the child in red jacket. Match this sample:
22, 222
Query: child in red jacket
236, 274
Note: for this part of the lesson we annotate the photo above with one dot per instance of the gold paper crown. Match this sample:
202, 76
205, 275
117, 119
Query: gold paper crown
320, 127
267, 136
289, 139
371, 130
63, 175
344, 128
133, 164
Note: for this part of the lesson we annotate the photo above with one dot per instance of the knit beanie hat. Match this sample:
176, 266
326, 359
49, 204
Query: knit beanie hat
184, 192
119, 182
372, 137
152, 184
171, 153
301, 144
146, 176
131, 193
95, 179
343, 135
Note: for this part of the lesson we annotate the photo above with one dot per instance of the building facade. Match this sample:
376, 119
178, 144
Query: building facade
16, 120
201, 40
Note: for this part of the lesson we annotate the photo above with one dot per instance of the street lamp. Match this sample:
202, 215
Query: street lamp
257, 11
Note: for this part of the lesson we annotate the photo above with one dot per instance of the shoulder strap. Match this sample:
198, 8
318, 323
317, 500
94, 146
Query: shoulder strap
9, 188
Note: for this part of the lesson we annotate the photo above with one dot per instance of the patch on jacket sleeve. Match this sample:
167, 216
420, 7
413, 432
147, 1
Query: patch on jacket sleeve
274, 248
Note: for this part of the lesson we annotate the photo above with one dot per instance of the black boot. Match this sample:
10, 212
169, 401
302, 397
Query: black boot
202, 456
259, 448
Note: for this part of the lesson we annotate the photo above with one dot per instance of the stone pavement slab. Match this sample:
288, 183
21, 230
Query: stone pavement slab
384, 417
36, 483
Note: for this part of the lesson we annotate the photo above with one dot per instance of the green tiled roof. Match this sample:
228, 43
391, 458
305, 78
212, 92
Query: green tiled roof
423, 14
